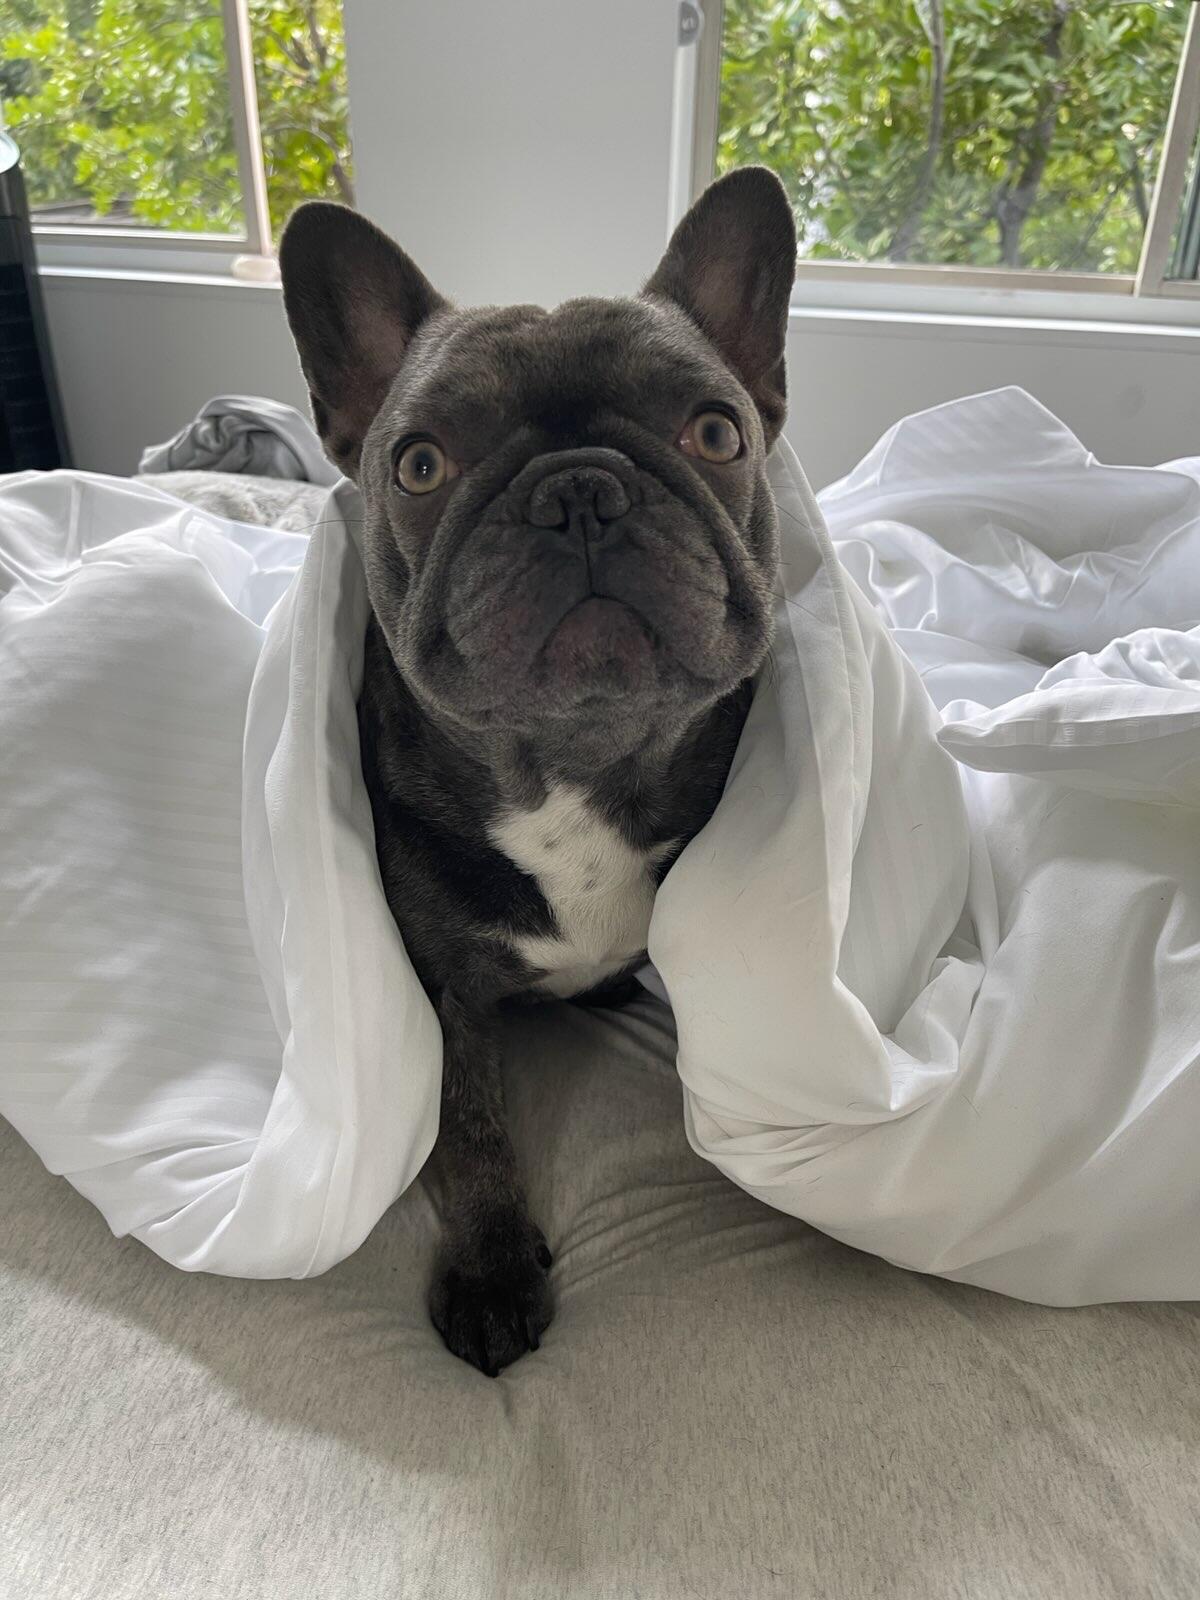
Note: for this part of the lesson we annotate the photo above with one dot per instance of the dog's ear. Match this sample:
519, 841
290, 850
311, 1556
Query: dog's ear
354, 301
730, 264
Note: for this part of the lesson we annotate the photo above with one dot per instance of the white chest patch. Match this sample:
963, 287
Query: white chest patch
600, 889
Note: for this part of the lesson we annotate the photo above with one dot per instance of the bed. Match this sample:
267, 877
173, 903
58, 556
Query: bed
728, 1403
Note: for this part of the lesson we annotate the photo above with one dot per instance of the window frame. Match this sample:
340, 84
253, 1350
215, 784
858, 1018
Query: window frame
247, 255
1147, 295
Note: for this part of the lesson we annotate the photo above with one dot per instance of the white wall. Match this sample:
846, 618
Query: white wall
1131, 394
137, 359
512, 173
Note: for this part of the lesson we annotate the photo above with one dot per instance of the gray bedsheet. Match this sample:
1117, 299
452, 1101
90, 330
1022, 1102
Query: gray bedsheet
729, 1406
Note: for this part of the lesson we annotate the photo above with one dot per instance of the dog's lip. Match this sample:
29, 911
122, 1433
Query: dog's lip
599, 633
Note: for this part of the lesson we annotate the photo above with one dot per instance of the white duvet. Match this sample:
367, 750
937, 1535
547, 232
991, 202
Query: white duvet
949, 1013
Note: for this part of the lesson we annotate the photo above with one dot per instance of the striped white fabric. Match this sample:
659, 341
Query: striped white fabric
1026, 1123
950, 1015
203, 1000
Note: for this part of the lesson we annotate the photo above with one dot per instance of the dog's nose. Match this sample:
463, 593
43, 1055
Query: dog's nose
578, 499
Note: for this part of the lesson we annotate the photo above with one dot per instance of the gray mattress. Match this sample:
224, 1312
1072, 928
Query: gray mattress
728, 1404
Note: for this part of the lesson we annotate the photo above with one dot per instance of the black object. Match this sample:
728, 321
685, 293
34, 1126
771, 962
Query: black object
31, 421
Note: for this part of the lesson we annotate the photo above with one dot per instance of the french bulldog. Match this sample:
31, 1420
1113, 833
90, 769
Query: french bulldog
570, 548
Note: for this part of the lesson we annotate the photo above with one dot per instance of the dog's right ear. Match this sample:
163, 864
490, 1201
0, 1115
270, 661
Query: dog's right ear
731, 264
354, 300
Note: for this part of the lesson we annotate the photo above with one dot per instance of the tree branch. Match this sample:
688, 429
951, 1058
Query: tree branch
1138, 184
1093, 228
338, 172
293, 50
1014, 200
934, 23
315, 37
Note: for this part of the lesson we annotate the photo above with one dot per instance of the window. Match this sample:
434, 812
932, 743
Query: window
1010, 143
205, 118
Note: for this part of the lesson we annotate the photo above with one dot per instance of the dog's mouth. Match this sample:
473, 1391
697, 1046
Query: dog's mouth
636, 607
530, 637
601, 643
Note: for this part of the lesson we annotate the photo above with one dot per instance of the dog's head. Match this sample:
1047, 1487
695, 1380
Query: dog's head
567, 512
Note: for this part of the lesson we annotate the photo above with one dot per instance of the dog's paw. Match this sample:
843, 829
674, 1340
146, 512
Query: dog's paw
492, 1307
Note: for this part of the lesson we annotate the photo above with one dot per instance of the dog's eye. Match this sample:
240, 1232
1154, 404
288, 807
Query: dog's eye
423, 466
712, 436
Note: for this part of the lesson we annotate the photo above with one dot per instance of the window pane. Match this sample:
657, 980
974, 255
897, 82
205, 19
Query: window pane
300, 68
121, 110
988, 133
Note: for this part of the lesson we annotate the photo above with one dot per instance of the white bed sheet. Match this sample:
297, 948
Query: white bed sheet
1052, 1161
950, 1015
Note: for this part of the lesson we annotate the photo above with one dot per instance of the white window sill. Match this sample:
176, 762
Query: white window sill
162, 282
1173, 338
876, 294
827, 306
150, 257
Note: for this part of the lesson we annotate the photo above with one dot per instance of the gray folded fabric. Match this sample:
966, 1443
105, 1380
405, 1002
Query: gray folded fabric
242, 433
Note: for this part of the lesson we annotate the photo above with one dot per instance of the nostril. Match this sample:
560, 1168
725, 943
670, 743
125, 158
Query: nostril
590, 493
610, 499
546, 508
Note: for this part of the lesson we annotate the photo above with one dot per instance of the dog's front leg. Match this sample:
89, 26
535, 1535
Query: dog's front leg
490, 1296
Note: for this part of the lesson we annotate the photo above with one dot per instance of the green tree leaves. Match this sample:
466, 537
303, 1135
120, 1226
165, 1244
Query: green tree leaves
1043, 155
301, 68
124, 105
1033, 141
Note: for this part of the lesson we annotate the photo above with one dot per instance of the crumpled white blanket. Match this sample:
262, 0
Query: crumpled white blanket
949, 1013
208, 1022
1017, 1110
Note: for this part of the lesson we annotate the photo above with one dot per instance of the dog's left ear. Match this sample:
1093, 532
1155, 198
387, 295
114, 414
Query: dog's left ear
354, 300
730, 264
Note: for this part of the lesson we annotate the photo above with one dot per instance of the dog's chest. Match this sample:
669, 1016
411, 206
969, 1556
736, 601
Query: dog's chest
598, 887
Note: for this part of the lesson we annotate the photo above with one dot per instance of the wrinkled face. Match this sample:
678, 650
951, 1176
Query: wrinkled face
567, 516
567, 519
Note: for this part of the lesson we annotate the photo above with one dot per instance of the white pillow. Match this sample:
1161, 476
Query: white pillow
1123, 722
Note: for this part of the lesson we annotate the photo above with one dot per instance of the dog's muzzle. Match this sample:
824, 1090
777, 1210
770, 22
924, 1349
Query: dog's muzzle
578, 493
580, 501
